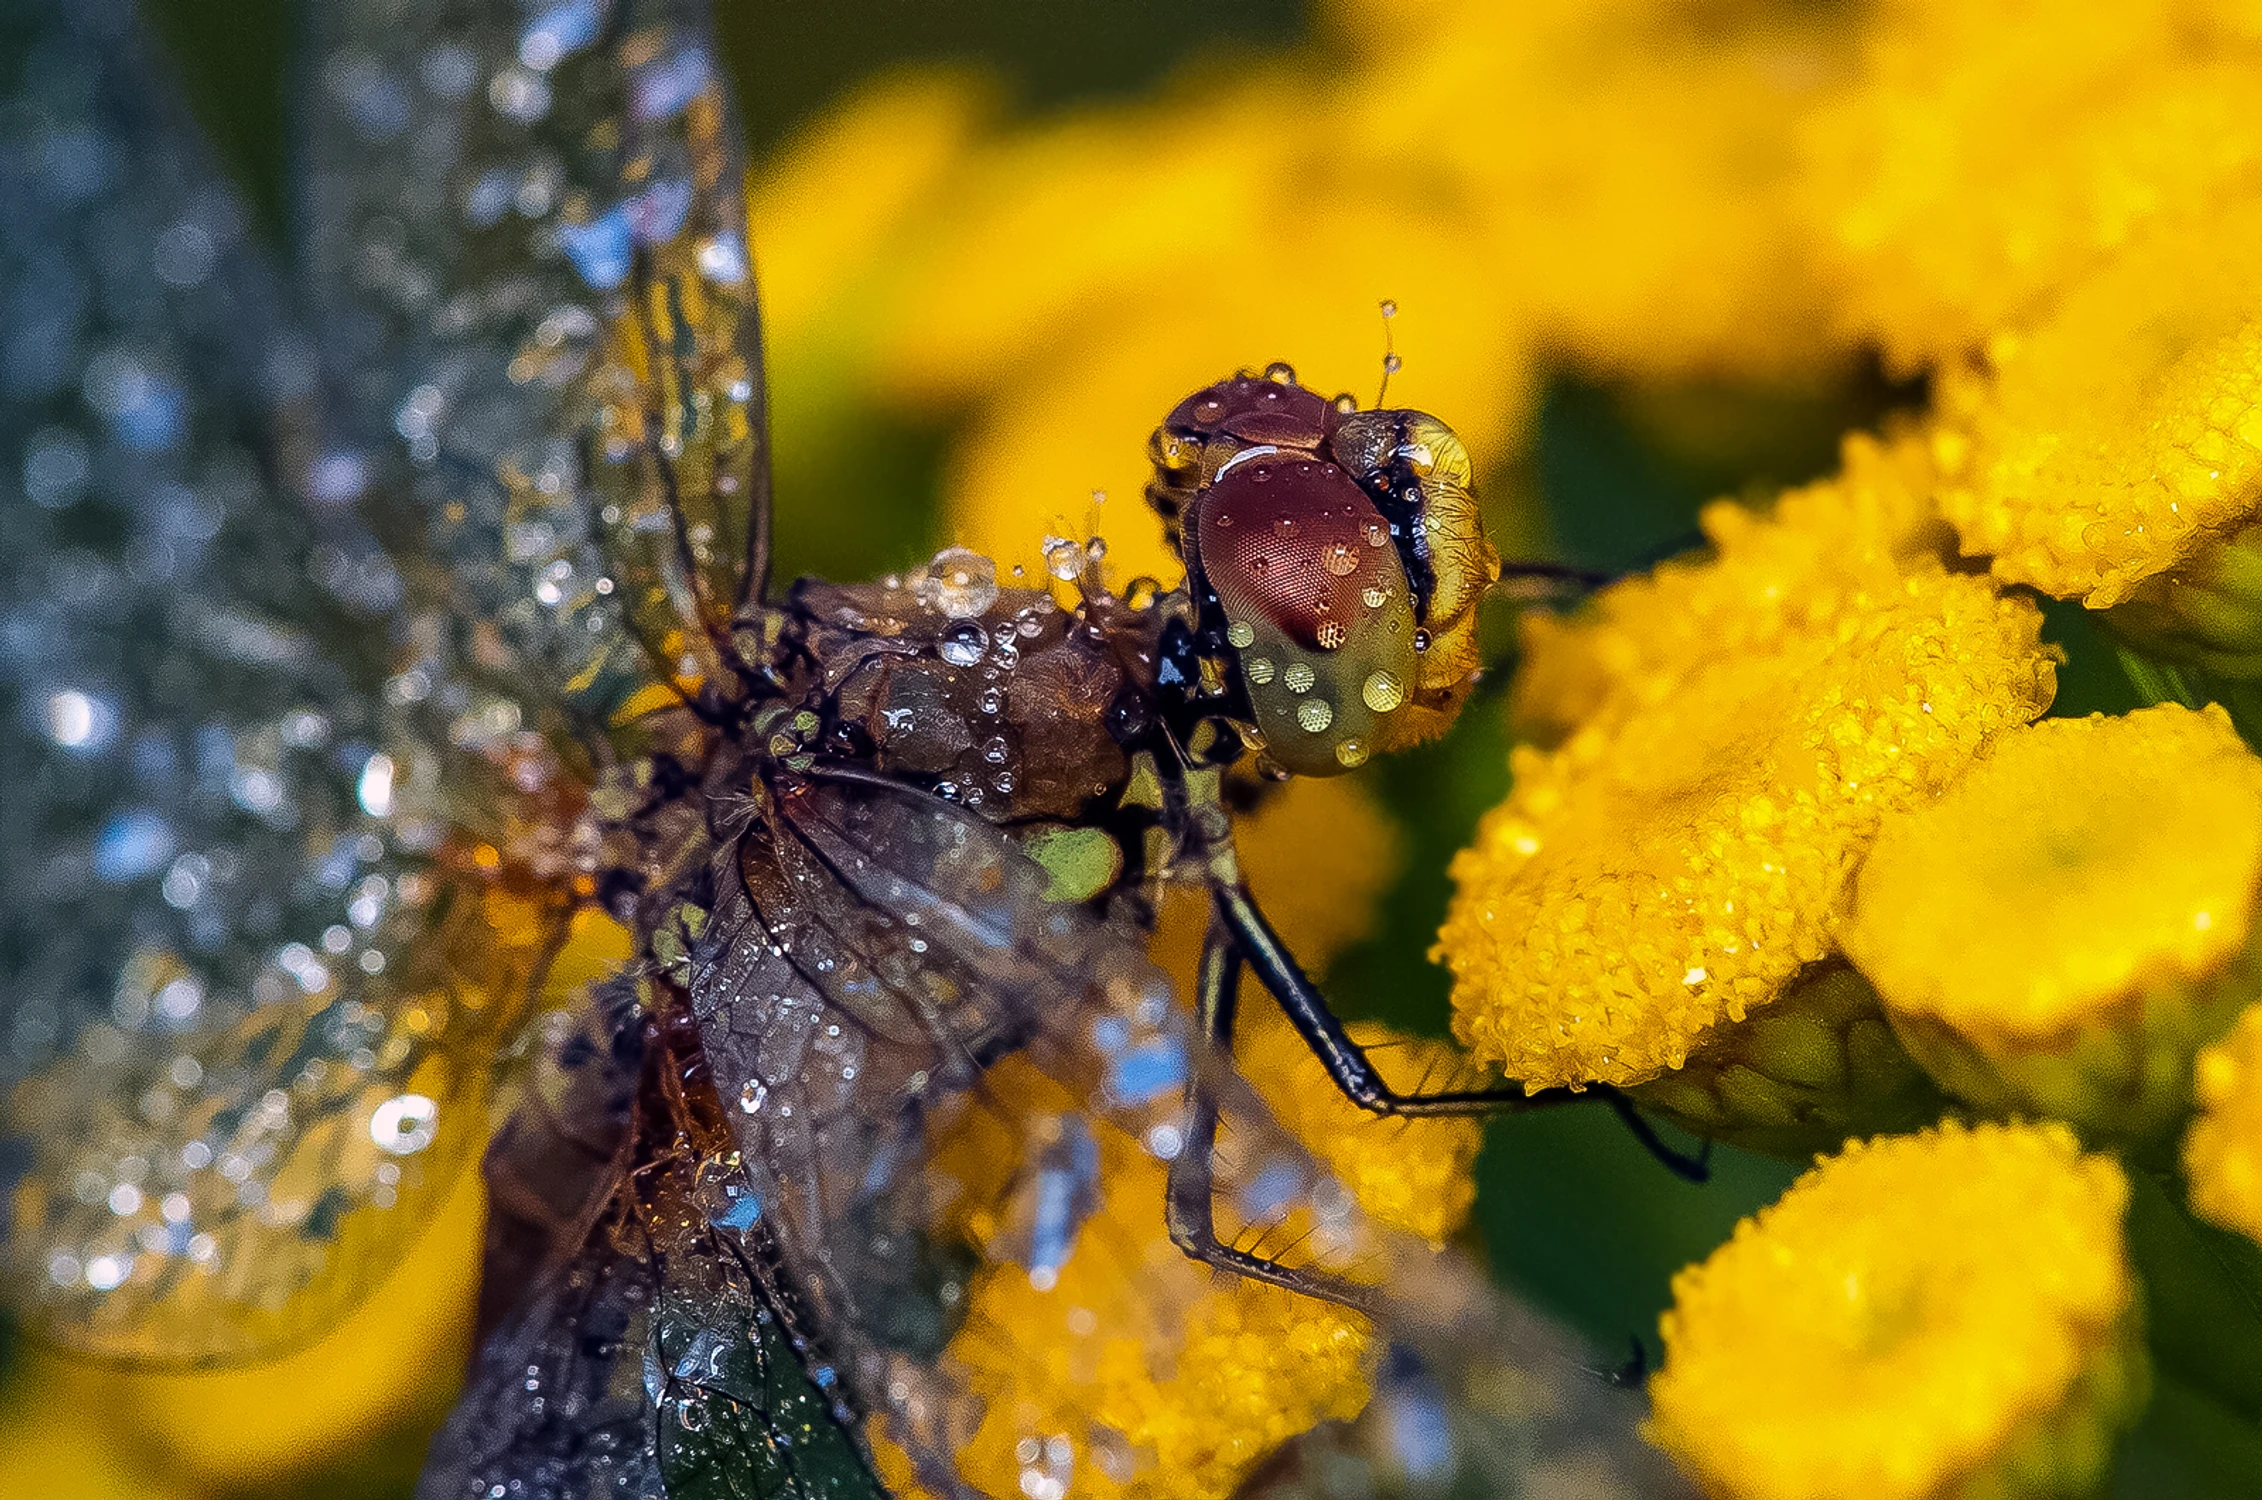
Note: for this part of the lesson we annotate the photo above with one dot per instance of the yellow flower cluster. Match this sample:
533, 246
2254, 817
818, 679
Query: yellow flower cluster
2222, 1156
1980, 159
1944, 1314
2063, 929
2123, 433
1737, 727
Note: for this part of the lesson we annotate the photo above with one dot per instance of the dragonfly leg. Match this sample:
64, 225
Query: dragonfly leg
1356, 1076
1190, 1203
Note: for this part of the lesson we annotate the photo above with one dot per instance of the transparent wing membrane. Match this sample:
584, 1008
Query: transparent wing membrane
659, 1351
256, 964
526, 241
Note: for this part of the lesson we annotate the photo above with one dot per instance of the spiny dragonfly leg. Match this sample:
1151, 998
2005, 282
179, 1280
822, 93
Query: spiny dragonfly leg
1190, 1203
1356, 1076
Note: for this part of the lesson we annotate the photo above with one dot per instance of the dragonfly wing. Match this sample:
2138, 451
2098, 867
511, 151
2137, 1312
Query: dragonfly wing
255, 969
526, 241
855, 991
658, 1351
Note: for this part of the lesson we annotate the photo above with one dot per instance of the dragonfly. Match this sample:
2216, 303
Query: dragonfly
369, 631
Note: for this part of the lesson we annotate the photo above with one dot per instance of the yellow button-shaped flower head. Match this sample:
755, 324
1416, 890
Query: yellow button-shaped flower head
1948, 1314
1736, 728
2222, 1156
2115, 456
2072, 920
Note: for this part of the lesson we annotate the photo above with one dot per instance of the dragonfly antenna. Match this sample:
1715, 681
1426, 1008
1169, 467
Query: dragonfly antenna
1390, 361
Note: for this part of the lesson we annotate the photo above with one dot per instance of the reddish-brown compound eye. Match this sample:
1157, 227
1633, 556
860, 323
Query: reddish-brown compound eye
1209, 429
1316, 608
1268, 409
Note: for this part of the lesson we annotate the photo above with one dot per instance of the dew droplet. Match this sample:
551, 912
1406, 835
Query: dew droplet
1258, 669
1421, 640
1284, 528
1331, 635
1378, 535
1382, 692
1314, 715
1063, 558
1340, 559
751, 1097
962, 642
1374, 596
1259, 566
1241, 634
1351, 754
1299, 677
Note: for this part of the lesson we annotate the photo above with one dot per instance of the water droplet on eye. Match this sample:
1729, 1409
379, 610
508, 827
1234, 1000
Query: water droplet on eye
1262, 474
1284, 528
1378, 535
1299, 677
1340, 560
751, 1097
1259, 566
1063, 559
1241, 634
1374, 597
1382, 692
1331, 635
1224, 520
1314, 715
1421, 640
1351, 754
1209, 409
962, 642
1258, 669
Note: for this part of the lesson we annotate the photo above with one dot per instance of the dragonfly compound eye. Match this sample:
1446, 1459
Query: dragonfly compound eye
1346, 554
1206, 431
1317, 608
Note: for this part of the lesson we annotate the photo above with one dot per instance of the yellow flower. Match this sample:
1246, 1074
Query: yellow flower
2072, 919
1948, 1314
2116, 449
2222, 1156
1681, 856
1982, 159
1166, 1380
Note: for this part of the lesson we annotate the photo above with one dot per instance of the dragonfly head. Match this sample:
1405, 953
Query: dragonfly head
1336, 557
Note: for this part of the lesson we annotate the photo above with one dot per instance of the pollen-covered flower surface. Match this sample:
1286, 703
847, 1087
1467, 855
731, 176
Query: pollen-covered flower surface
1741, 724
2222, 1156
2122, 434
1944, 1314
2062, 929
